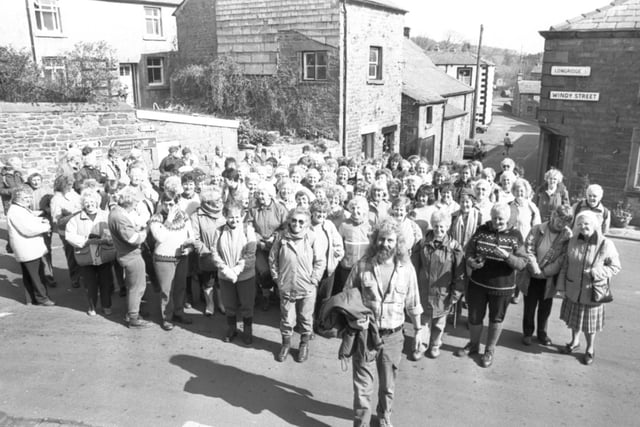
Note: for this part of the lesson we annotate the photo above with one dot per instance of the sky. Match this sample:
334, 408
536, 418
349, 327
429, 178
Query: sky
511, 24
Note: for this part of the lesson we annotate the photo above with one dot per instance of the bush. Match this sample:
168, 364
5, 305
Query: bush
90, 75
275, 102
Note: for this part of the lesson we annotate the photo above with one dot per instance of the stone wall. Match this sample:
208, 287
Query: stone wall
599, 146
372, 104
414, 128
41, 133
197, 40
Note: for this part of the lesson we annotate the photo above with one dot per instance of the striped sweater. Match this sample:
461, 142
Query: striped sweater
497, 275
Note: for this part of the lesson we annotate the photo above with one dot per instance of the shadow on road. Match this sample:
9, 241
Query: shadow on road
255, 393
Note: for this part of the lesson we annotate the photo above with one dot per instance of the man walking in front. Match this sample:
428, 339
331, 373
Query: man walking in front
387, 281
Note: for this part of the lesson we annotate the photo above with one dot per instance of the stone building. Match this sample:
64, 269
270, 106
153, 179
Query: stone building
526, 99
436, 109
360, 98
462, 66
589, 112
142, 32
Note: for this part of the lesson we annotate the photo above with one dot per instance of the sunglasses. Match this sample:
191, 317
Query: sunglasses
297, 221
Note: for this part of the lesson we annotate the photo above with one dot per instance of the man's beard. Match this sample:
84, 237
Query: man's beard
384, 254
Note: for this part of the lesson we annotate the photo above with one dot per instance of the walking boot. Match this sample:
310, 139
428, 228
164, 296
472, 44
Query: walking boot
303, 351
284, 350
473, 346
208, 299
232, 330
247, 336
493, 335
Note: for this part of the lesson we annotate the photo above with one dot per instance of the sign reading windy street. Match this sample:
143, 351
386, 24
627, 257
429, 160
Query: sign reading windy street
574, 96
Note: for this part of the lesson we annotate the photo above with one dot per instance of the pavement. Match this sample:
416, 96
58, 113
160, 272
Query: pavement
60, 367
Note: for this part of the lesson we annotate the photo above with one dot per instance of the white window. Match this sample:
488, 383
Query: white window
375, 63
155, 71
153, 21
54, 68
314, 65
464, 75
47, 14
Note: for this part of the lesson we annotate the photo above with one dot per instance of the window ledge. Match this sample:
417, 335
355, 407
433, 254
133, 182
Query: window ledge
154, 38
315, 82
152, 86
51, 35
375, 82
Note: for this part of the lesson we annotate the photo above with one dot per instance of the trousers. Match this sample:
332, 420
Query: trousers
135, 280
386, 362
97, 280
33, 280
297, 311
238, 298
532, 300
172, 279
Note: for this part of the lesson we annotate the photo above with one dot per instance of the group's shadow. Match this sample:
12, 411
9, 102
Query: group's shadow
255, 393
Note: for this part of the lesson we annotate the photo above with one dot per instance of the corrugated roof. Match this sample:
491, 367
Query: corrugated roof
423, 79
529, 87
618, 15
451, 112
455, 58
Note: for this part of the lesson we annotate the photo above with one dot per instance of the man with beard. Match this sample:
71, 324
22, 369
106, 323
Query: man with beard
387, 282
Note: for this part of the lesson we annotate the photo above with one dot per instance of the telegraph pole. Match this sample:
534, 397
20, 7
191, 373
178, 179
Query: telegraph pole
472, 131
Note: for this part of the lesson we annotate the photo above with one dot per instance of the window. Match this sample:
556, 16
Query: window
47, 14
54, 68
375, 63
155, 72
314, 65
153, 21
464, 75
429, 115
367, 144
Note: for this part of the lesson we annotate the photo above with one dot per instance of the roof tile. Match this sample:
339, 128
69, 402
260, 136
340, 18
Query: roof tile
619, 14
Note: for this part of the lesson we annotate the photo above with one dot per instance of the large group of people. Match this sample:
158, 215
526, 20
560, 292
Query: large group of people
412, 239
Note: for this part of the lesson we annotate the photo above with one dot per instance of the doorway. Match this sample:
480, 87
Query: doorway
128, 87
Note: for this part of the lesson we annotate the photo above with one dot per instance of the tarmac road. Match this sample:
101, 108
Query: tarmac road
59, 367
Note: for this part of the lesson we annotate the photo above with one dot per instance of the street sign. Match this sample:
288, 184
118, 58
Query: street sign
574, 96
560, 70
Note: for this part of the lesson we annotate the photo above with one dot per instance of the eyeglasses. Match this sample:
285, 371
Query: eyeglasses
297, 221
169, 203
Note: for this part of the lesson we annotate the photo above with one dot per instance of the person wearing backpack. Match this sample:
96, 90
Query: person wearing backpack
593, 202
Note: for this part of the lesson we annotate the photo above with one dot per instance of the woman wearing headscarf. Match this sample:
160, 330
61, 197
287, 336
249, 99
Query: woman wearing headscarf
592, 260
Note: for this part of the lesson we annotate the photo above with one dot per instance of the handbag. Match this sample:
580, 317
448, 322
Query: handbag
601, 293
95, 255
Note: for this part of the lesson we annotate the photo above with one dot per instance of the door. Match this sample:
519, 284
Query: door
127, 92
555, 158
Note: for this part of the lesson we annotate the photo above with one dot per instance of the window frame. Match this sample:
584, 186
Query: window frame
47, 7
368, 144
428, 115
464, 69
54, 66
160, 67
633, 174
155, 20
377, 63
315, 54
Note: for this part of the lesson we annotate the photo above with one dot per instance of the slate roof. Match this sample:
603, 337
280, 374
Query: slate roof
531, 87
423, 81
618, 15
451, 112
151, 2
456, 58
386, 4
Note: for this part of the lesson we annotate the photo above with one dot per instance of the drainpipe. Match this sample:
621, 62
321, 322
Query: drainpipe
442, 133
476, 93
344, 80
33, 43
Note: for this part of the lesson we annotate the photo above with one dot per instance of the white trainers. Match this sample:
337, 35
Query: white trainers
91, 312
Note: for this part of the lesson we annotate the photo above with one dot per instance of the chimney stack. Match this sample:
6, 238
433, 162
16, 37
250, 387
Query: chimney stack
407, 32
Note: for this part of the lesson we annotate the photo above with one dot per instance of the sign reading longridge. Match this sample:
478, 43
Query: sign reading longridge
575, 96
559, 70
